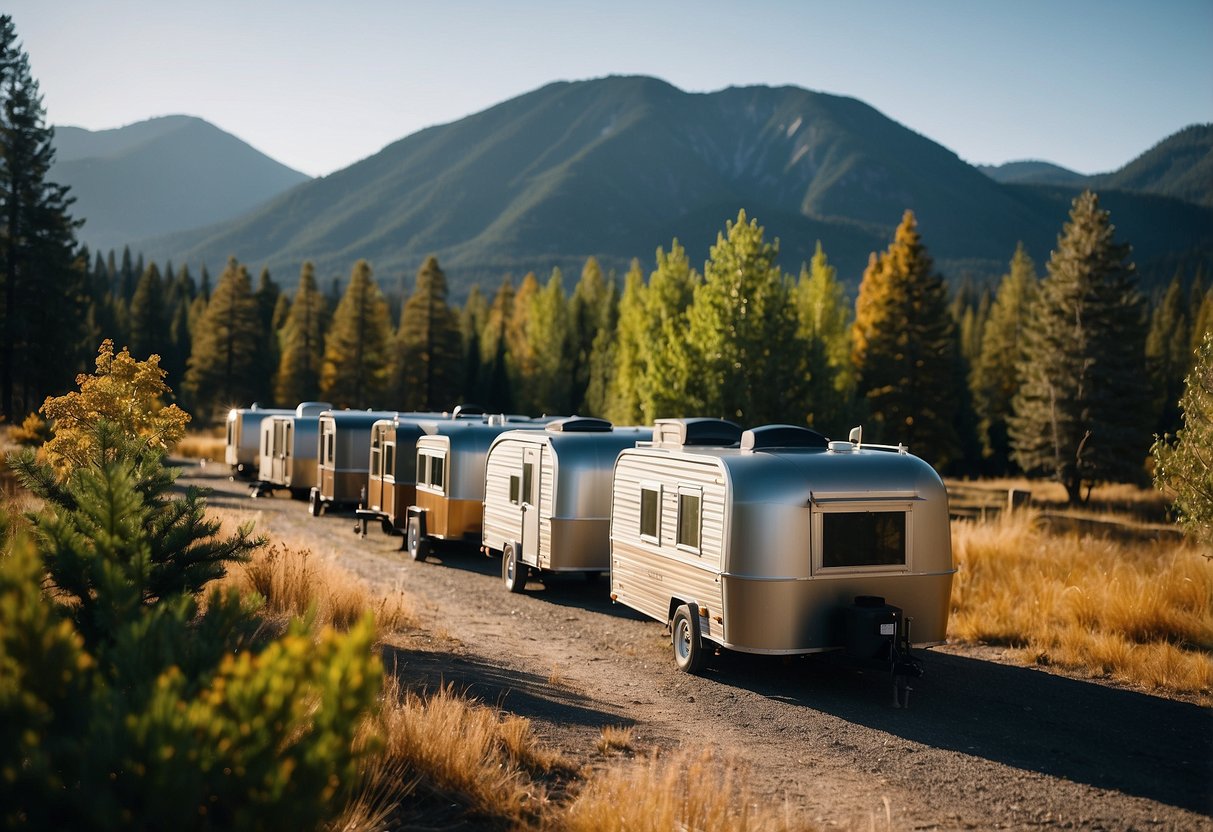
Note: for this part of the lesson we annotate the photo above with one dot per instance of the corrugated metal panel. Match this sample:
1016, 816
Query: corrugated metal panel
502, 519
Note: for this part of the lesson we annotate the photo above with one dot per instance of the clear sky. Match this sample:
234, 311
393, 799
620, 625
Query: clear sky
1087, 84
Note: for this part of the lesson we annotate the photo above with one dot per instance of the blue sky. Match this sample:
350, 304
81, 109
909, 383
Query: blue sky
318, 85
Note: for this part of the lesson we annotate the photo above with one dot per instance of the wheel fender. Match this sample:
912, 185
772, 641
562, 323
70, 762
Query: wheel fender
706, 630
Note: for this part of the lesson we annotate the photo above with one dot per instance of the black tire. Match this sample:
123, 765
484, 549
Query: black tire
416, 543
513, 572
689, 653
314, 506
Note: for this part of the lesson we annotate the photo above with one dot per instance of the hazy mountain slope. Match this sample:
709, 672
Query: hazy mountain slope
1181, 166
618, 166
163, 175
1033, 172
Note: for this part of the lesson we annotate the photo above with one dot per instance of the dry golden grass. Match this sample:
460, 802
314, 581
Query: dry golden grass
202, 445
615, 738
294, 582
1136, 612
689, 791
455, 760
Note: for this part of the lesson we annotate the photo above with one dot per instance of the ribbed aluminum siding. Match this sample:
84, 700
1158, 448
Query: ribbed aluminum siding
547, 501
502, 519
647, 575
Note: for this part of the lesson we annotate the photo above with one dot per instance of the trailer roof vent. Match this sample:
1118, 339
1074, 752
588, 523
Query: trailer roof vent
579, 424
675, 433
781, 436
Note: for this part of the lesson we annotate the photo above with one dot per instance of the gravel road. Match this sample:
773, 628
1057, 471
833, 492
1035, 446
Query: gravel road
983, 745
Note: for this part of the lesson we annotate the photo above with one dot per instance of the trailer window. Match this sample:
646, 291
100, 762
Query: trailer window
437, 468
650, 513
376, 459
330, 444
688, 518
422, 472
515, 488
863, 538
389, 459
528, 477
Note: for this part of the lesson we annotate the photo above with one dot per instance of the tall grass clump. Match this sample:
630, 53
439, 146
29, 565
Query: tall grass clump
1139, 613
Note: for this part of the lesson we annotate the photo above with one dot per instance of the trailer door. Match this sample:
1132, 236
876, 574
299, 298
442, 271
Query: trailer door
530, 505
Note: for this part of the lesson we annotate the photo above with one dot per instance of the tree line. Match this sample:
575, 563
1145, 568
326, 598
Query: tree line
1068, 373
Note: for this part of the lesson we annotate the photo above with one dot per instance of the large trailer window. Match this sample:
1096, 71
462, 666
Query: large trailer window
863, 538
688, 518
650, 512
437, 466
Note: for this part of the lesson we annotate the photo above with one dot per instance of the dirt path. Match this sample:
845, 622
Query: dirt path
982, 746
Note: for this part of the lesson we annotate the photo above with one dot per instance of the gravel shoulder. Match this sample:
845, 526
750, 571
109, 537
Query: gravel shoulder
983, 745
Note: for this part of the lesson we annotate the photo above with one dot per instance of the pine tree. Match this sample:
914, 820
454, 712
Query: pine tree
665, 383
224, 366
519, 349
1168, 355
743, 355
586, 315
298, 377
1081, 414
42, 290
472, 319
905, 351
825, 329
624, 404
429, 346
149, 316
995, 376
552, 342
494, 349
602, 356
358, 350
1185, 467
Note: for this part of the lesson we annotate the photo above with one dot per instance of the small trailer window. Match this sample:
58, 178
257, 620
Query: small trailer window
422, 469
688, 518
330, 443
389, 459
528, 477
376, 459
863, 538
650, 512
437, 466
515, 488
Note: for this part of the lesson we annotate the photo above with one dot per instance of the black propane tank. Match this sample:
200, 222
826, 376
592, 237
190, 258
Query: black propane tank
871, 628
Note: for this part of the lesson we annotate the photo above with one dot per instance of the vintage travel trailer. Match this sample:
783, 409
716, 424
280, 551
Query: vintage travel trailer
449, 499
547, 497
343, 458
243, 449
288, 451
777, 541
391, 482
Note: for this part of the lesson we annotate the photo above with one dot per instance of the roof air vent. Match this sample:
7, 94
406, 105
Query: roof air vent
781, 436
579, 424
703, 432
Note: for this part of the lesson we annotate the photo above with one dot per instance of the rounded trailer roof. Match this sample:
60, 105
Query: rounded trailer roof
356, 418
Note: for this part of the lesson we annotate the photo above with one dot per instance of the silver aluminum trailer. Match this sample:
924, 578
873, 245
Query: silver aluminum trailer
343, 458
547, 497
243, 449
449, 497
781, 543
288, 451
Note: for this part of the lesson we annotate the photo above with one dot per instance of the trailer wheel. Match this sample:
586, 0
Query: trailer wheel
513, 573
315, 506
688, 647
415, 541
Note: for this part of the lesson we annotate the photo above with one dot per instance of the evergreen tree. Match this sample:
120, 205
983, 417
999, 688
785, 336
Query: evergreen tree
521, 364
298, 378
224, 366
551, 342
358, 350
1168, 355
602, 356
42, 290
494, 350
1202, 319
905, 351
624, 405
586, 315
472, 319
825, 329
149, 317
267, 295
741, 335
1185, 467
995, 376
1081, 414
429, 346
665, 384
